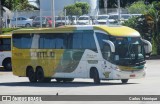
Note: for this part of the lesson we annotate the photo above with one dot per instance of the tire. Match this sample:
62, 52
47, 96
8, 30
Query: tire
124, 81
27, 25
7, 65
40, 76
47, 80
31, 75
59, 80
96, 77
68, 79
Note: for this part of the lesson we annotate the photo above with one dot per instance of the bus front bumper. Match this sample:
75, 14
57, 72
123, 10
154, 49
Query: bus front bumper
116, 74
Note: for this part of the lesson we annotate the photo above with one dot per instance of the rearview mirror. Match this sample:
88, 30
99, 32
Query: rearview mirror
147, 46
110, 44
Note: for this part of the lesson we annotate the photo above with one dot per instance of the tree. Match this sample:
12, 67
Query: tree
138, 8
148, 24
114, 4
18, 5
79, 8
84, 7
73, 10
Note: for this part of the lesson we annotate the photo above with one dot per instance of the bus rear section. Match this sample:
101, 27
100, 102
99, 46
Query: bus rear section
5, 52
65, 53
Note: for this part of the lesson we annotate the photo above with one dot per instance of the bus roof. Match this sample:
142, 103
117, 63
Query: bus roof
121, 31
6, 36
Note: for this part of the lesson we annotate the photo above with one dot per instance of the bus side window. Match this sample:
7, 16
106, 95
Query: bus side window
60, 41
77, 40
100, 38
6, 44
1, 48
47, 41
17, 41
88, 41
0, 41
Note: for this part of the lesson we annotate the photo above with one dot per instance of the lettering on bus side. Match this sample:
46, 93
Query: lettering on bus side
43, 54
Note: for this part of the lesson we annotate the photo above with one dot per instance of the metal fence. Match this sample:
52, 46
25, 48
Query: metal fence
58, 18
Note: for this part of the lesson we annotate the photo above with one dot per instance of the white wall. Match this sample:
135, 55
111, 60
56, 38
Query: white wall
45, 5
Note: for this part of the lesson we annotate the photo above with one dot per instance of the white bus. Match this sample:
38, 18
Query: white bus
5, 52
65, 53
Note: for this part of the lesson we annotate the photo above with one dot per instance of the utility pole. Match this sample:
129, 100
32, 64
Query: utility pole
105, 5
53, 13
1, 18
119, 11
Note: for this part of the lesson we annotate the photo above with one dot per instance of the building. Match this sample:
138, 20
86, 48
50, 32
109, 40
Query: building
46, 6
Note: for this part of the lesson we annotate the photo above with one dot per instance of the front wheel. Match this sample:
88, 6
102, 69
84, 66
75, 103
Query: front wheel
124, 81
96, 77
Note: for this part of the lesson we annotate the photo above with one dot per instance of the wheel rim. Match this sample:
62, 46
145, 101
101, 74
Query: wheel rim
8, 66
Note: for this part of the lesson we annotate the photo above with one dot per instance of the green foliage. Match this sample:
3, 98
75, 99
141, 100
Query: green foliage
138, 8
141, 25
6, 30
79, 8
73, 10
132, 22
18, 5
84, 6
148, 25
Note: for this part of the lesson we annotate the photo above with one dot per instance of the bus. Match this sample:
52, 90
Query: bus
5, 52
68, 52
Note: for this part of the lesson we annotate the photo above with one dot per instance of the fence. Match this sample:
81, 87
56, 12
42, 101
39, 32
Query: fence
58, 18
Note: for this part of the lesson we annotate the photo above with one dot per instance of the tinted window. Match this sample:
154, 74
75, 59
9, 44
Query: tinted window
47, 41
77, 41
22, 41
53, 41
83, 40
100, 38
88, 41
5, 44
23, 18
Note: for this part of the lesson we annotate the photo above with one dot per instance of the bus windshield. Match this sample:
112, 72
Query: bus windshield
128, 50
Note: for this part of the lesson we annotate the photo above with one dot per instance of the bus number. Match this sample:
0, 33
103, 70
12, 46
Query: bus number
43, 54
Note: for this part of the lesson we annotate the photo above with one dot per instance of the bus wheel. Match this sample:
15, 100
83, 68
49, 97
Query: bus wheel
59, 80
47, 80
7, 64
94, 74
31, 75
68, 79
124, 81
40, 75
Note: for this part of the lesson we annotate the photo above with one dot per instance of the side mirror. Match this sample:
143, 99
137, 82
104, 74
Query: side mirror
110, 44
147, 46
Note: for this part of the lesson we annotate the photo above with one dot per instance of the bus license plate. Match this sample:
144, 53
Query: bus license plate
132, 75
